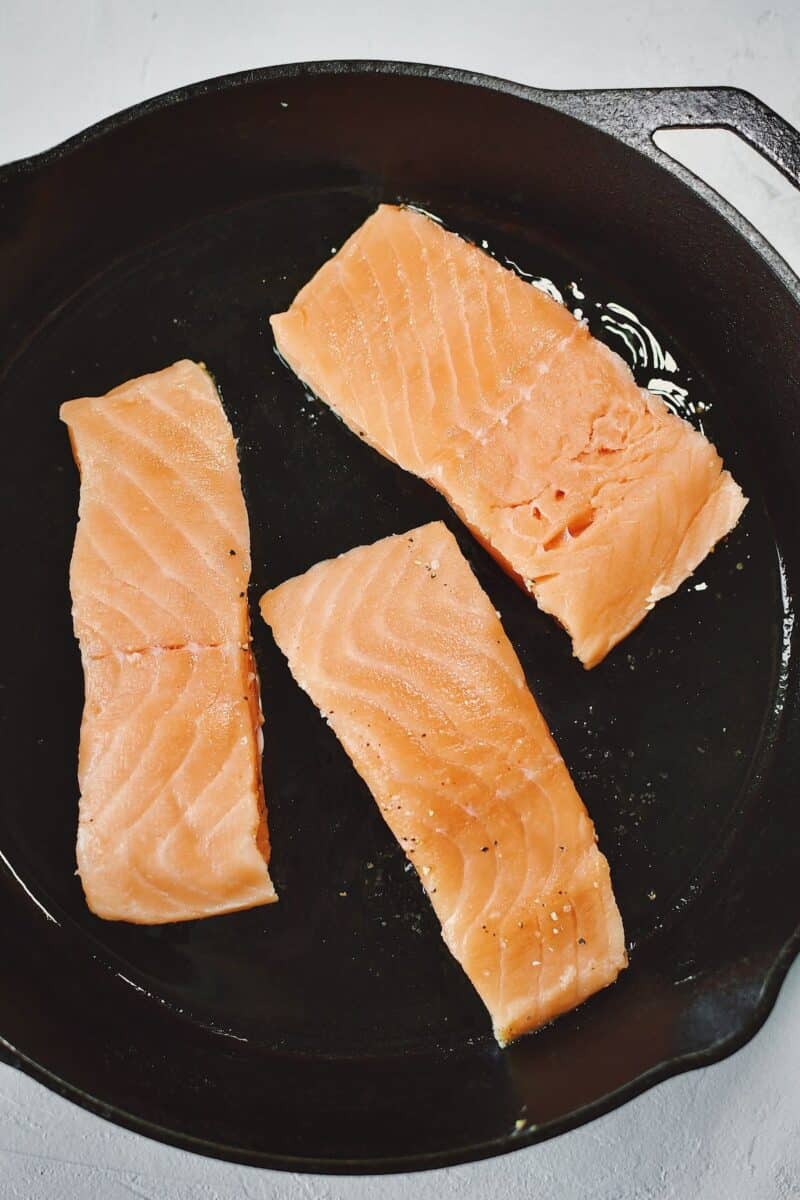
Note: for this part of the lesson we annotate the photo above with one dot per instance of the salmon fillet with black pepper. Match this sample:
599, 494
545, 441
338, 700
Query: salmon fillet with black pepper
406, 659
172, 821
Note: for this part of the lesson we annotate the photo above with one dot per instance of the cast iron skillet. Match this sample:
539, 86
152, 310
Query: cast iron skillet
330, 1032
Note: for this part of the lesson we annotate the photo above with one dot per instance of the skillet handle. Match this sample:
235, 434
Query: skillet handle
636, 114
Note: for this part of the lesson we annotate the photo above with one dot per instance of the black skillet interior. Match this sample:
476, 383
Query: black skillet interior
330, 1031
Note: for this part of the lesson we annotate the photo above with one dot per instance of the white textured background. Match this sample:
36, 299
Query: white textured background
730, 1132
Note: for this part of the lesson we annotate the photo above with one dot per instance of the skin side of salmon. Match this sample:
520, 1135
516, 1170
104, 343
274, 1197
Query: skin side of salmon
406, 659
172, 821
585, 488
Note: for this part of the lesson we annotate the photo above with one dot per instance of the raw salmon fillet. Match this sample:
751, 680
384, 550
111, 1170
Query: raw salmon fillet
583, 486
172, 820
405, 657
171, 824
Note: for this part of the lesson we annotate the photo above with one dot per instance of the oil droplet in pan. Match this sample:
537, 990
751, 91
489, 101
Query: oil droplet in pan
642, 343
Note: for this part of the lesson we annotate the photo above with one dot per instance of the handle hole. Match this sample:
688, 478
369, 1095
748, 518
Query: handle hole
744, 178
